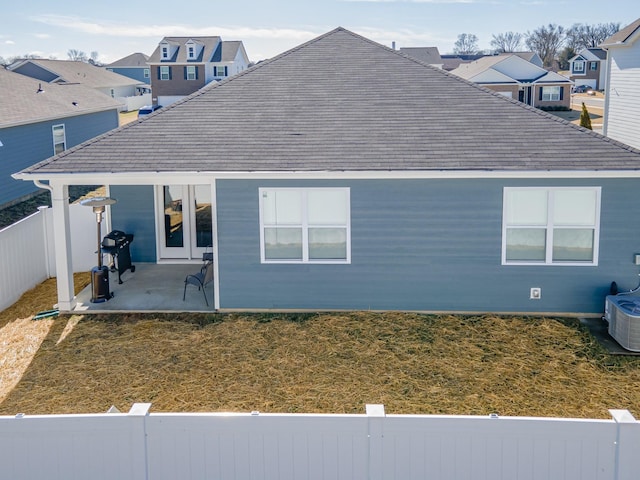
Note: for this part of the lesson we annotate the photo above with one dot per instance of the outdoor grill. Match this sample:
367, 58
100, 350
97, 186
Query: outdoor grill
116, 244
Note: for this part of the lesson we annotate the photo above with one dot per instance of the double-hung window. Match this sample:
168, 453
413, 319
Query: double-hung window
578, 66
165, 73
59, 139
551, 94
305, 225
219, 71
593, 65
551, 226
190, 72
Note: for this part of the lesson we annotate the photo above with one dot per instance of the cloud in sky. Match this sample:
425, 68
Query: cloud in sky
412, 1
119, 30
9, 42
42, 36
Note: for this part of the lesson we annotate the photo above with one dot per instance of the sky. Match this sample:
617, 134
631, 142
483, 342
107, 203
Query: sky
118, 28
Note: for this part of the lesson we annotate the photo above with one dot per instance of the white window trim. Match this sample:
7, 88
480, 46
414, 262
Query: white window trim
549, 229
192, 75
162, 74
146, 73
165, 51
305, 227
551, 97
580, 63
64, 137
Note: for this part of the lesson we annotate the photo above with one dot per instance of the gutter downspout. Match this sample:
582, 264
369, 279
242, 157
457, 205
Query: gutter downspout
42, 211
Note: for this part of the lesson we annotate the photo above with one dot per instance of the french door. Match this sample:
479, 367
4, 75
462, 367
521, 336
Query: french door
184, 221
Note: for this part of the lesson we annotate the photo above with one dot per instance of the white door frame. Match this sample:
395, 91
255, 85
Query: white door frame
189, 249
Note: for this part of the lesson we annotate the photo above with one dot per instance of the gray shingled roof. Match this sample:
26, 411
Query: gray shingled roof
327, 106
428, 55
21, 102
134, 60
80, 72
623, 35
209, 43
226, 51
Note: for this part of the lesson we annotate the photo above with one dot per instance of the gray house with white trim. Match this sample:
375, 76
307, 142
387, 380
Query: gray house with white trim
322, 185
39, 119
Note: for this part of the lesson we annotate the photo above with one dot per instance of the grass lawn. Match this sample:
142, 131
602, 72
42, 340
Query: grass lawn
324, 362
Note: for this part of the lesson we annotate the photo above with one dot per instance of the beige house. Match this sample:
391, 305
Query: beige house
515, 77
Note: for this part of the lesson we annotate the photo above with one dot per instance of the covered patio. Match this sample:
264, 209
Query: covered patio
151, 288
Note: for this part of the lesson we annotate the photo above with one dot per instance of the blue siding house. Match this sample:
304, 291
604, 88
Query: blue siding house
133, 66
38, 120
322, 185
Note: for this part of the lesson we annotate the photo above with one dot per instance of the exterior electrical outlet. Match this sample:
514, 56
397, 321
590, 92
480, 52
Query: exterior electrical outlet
536, 293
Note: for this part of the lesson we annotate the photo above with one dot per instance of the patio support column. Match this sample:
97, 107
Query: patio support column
62, 246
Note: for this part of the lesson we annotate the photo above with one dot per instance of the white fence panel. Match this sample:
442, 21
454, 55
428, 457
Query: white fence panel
23, 258
135, 102
27, 255
257, 446
139, 445
485, 448
72, 447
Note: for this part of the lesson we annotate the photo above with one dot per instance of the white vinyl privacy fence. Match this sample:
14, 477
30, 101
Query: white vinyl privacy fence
27, 256
145, 446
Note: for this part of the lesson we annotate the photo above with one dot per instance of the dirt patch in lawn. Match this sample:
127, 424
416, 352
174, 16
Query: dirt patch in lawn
325, 362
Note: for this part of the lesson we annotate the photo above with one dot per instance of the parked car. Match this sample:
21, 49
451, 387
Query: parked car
582, 89
147, 109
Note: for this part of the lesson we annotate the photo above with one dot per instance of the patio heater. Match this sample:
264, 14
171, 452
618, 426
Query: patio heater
100, 274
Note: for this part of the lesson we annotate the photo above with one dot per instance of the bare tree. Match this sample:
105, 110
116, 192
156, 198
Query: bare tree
94, 59
589, 36
546, 41
77, 55
507, 42
467, 44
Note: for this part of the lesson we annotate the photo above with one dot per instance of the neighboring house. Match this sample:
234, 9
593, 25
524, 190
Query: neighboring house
322, 185
530, 57
38, 120
129, 92
515, 77
589, 67
622, 96
453, 61
183, 65
133, 66
428, 55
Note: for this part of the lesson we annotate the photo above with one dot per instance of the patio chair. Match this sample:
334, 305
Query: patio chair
200, 279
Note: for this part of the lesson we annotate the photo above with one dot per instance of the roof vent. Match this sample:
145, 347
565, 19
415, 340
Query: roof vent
40, 90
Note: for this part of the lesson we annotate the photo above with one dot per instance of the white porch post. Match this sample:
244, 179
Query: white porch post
62, 244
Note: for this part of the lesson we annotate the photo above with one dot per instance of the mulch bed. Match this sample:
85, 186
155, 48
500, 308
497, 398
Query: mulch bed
324, 362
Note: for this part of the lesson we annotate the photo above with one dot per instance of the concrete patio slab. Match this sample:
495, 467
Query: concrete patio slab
151, 288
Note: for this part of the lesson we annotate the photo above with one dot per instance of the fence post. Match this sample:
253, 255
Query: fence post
139, 413
627, 464
376, 415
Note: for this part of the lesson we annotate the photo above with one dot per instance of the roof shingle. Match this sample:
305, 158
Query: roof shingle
326, 106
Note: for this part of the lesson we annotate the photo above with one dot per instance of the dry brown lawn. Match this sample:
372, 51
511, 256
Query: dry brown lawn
324, 362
